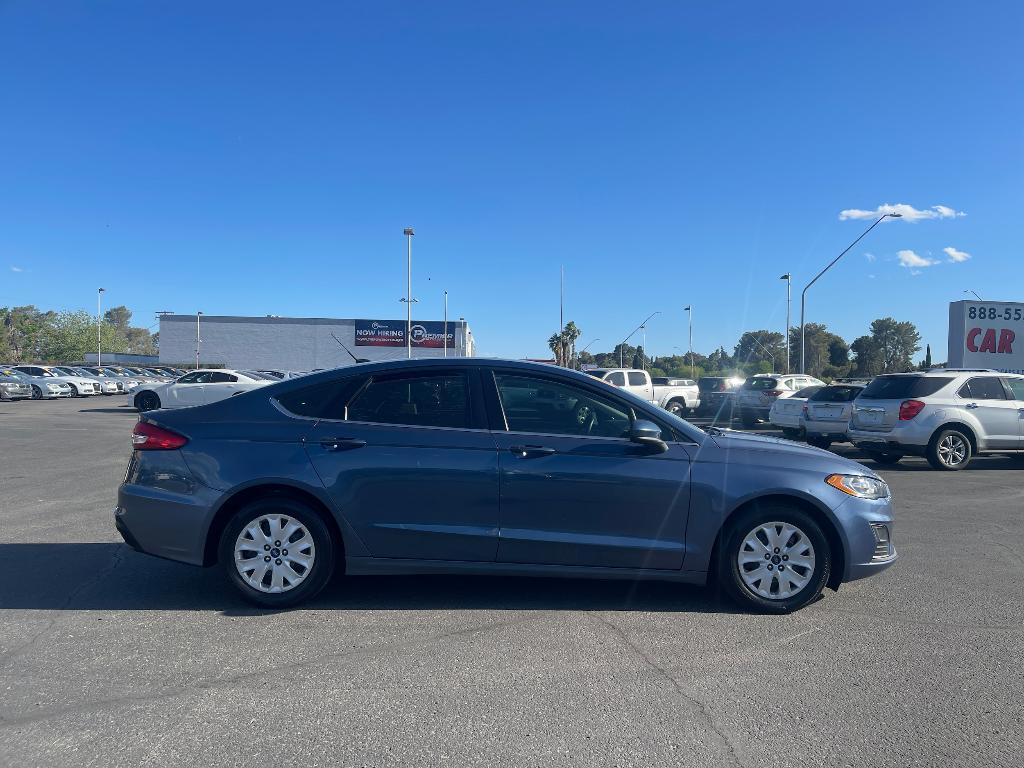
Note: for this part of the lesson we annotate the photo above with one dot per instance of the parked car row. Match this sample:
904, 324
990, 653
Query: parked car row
22, 381
946, 415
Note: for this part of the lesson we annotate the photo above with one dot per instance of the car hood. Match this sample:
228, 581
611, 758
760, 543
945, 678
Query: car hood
729, 439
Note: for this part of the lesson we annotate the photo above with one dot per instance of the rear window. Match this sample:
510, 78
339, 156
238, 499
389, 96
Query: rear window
835, 394
901, 387
659, 380
807, 391
761, 384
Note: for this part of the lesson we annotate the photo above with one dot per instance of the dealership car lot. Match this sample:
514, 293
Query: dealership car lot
108, 657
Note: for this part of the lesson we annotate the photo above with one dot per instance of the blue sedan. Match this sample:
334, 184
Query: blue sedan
491, 467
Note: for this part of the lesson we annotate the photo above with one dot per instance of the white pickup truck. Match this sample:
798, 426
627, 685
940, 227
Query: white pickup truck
677, 396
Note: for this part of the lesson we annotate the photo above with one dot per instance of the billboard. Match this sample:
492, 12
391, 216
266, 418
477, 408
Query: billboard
987, 334
391, 333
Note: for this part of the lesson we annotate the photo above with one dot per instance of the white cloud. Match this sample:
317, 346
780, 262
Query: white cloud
956, 256
17, 269
914, 262
870, 256
908, 212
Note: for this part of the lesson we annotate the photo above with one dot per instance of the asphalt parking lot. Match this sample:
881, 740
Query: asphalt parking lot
109, 657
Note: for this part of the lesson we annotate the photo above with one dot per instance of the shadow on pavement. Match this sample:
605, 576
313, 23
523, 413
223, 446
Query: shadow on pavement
118, 409
113, 577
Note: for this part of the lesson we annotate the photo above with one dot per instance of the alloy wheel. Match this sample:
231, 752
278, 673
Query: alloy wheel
776, 560
952, 449
274, 553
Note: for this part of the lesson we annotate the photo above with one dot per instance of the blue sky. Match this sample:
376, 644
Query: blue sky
263, 158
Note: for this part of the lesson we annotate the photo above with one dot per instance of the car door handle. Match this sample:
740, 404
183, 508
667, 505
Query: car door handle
531, 451
341, 443
971, 405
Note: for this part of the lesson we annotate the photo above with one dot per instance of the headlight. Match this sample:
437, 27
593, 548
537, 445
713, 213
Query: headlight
860, 486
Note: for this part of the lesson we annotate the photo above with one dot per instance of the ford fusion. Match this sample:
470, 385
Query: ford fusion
491, 467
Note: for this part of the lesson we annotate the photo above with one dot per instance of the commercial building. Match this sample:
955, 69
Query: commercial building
987, 334
303, 343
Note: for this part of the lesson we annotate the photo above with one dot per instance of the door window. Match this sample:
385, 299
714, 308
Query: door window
326, 400
618, 378
425, 400
983, 388
1016, 387
553, 408
219, 378
190, 378
637, 379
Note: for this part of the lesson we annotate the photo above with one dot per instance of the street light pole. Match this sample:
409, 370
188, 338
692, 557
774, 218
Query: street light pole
975, 293
689, 315
578, 354
408, 232
446, 323
198, 315
803, 295
99, 325
788, 277
765, 350
642, 325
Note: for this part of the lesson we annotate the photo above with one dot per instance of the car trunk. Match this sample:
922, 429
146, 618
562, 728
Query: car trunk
876, 415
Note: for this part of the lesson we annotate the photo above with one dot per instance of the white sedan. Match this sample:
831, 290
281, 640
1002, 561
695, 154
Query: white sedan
786, 411
80, 386
207, 385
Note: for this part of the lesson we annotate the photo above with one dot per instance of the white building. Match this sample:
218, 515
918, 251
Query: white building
303, 343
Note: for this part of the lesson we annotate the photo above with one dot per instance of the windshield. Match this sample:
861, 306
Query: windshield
903, 387
761, 384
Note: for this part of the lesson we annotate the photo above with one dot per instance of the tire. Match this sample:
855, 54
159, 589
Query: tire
792, 433
277, 590
74, 391
37, 393
147, 401
884, 458
748, 419
819, 442
949, 450
676, 408
751, 591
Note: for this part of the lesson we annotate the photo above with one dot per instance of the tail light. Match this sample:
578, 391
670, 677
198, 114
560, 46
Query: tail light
149, 437
909, 409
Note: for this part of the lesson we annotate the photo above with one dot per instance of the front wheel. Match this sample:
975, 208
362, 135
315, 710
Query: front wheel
949, 450
277, 552
74, 391
819, 442
774, 559
147, 401
37, 393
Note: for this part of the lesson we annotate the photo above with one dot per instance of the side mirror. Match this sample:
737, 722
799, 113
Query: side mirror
648, 434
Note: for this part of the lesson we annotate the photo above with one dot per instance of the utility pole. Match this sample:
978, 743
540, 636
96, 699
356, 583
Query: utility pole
788, 277
689, 314
99, 325
803, 295
446, 323
408, 232
198, 315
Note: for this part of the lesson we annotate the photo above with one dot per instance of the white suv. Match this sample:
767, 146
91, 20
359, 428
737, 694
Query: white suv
945, 415
759, 393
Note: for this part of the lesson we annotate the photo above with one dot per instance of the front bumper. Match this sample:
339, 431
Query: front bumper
865, 525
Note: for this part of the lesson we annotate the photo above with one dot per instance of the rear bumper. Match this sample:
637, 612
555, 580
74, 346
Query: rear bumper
833, 430
891, 442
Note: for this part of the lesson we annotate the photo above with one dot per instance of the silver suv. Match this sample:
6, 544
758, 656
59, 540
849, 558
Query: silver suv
945, 415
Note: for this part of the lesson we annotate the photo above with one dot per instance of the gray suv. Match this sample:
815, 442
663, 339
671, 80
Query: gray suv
491, 467
945, 415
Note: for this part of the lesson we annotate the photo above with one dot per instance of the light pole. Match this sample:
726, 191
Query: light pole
198, 315
788, 277
99, 325
764, 349
408, 232
446, 323
803, 295
642, 325
975, 293
689, 315
578, 354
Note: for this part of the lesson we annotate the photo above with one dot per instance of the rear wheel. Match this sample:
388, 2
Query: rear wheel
950, 450
147, 401
276, 552
676, 408
749, 420
37, 393
774, 559
819, 442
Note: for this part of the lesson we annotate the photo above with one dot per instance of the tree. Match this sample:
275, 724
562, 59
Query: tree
563, 344
755, 347
897, 343
867, 357
119, 317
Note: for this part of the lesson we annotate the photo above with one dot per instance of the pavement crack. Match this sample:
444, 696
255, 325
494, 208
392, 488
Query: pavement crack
58, 612
694, 702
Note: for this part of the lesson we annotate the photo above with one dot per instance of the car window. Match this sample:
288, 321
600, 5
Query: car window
423, 400
839, 393
1016, 387
533, 404
983, 388
660, 380
760, 383
618, 378
218, 377
189, 378
637, 379
807, 391
901, 387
